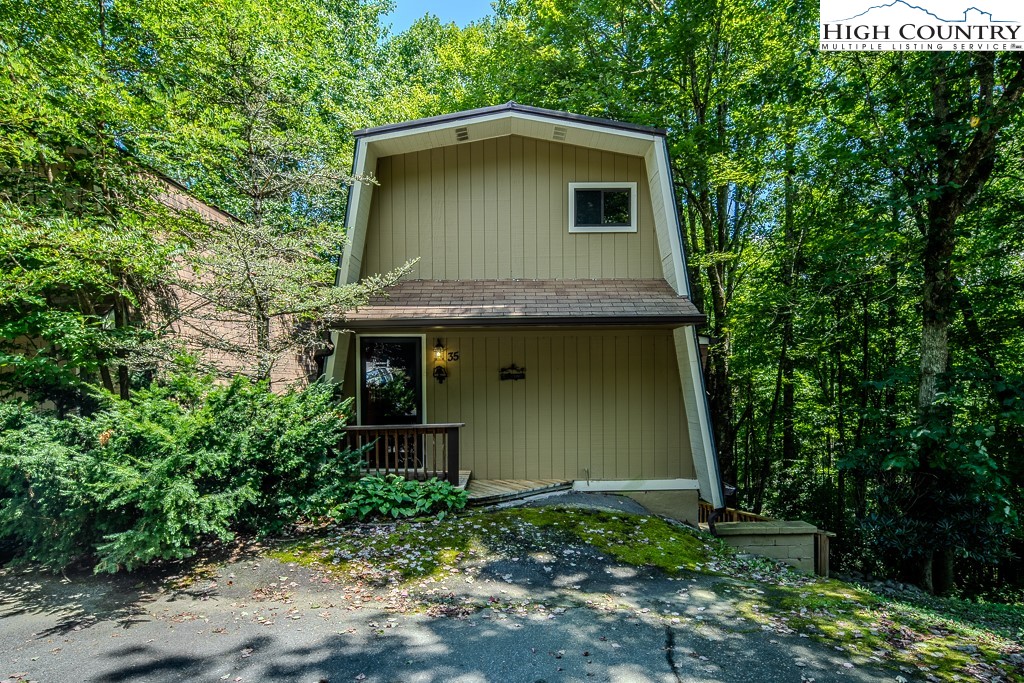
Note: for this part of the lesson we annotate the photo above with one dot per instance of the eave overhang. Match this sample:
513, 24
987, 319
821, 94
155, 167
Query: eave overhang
534, 303
471, 114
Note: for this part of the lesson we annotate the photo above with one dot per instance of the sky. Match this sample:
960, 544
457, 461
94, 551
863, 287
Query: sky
460, 11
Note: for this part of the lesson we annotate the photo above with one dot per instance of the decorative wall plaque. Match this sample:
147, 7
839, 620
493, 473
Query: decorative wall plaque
512, 372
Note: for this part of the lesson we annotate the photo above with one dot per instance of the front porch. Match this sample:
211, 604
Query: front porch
555, 380
426, 451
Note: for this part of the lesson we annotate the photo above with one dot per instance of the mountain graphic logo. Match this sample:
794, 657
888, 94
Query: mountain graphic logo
921, 25
920, 11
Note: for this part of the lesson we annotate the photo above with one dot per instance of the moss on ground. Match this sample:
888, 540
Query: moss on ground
632, 539
306, 553
925, 642
945, 640
381, 554
403, 552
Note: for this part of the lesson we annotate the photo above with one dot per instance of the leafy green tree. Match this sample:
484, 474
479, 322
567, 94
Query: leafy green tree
933, 123
247, 104
78, 237
257, 110
435, 68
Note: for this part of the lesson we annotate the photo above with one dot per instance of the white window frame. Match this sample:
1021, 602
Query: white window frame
602, 186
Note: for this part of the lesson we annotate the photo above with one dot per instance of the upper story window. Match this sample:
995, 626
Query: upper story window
602, 207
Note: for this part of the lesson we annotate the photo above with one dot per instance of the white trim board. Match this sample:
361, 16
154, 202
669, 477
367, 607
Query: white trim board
332, 360
511, 115
696, 413
616, 485
607, 185
666, 217
356, 216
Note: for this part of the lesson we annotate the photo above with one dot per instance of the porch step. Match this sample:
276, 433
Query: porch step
464, 476
487, 491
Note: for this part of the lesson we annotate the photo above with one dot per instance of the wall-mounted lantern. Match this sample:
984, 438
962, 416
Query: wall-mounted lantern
440, 374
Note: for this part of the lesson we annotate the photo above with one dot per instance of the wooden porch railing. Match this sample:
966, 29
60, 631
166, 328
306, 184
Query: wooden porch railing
411, 451
729, 515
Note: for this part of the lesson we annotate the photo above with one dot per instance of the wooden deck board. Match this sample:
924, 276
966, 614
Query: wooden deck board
484, 491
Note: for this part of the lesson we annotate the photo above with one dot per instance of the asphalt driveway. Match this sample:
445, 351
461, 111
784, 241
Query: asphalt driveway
569, 615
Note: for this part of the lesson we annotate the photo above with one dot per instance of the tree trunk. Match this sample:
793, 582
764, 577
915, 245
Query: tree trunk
766, 459
942, 572
121, 322
841, 429
87, 307
693, 239
960, 173
789, 448
719, 387
263, 350
938, 303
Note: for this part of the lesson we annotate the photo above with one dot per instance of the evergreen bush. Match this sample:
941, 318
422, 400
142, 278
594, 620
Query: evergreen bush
179, 463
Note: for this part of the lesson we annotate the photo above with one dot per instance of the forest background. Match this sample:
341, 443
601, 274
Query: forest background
853, 221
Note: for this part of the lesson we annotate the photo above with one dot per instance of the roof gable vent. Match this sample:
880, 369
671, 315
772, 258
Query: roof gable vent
462, 134
559, 134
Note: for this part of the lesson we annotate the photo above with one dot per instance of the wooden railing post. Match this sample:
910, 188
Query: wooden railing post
453, 456
403, 449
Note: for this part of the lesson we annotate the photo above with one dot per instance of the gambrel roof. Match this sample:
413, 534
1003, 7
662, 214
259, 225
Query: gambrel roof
530, 122
471, 114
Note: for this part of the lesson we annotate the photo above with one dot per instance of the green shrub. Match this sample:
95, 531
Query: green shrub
45, 502
288, 452
397, 497
153, 477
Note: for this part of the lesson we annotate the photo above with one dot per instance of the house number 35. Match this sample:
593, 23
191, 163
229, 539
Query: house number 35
453, 355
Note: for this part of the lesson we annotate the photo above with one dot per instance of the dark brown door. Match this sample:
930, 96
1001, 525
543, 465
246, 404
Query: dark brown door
391, 380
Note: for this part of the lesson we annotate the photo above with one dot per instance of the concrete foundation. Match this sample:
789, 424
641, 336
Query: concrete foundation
681, 505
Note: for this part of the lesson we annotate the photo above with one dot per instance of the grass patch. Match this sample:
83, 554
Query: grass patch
1005, 620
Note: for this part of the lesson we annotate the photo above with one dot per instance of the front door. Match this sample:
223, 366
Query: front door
390, 380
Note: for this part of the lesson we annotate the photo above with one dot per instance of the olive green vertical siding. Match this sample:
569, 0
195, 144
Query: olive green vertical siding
498, 209
597, 404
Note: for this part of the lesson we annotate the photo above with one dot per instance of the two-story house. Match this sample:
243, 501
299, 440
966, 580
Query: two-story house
546, 324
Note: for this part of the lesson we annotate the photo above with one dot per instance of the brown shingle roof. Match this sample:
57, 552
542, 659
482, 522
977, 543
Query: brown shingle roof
526, 302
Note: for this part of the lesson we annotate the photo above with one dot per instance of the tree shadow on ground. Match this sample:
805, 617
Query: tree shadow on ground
464, 636
80, 599
582, 644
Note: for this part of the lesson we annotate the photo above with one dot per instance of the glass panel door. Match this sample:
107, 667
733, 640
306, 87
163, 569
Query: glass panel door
391, 380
